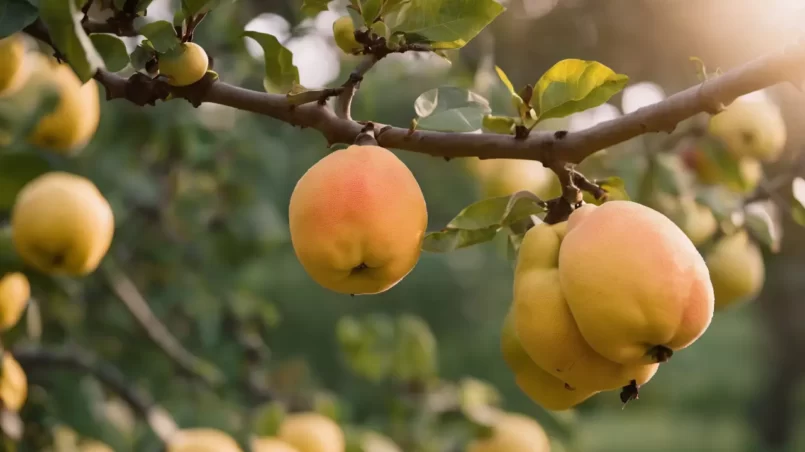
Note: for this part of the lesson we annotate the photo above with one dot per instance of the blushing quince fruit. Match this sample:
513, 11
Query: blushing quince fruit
72, 124
357, 219
546, 328
184, 65
751, 128
736, 269
15, 291
62, 224
502, 177
269, 444
635, 283
513, 433
14, 69
541, 387
13, 384
312, 432
202, 440
344, 34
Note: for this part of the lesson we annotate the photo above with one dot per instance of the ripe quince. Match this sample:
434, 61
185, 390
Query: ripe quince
635, 283
736, 269
513, 433
312, 432
546, 327
202, 440
184, 65
15, 291
751, 128
62, 224
357, 219
14, 69
541, 387
71, 125
13, 384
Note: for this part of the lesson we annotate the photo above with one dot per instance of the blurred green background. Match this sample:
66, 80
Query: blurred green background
201, 197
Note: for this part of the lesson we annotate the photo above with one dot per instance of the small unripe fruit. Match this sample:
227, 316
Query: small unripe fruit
312, 432
754, 129
185, 65
344, 34
736, 269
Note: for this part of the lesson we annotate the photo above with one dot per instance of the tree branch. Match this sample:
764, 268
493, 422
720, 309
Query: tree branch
137, 305
344, 102
114, 25
35, 358
547, 147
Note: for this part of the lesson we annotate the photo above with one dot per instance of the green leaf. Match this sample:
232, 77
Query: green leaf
281, 74
267, 419
16, 170
667, 174
16, 15
193, 7
370, 10
392, 6
445, 24
367, 344
572, 85
499, 211
615, 188
503, 125
451, 109
161, 35
64, 24
523, 110
798, 211
112, 49
141, 55
313, 7
481, 221
415, 354
762, 225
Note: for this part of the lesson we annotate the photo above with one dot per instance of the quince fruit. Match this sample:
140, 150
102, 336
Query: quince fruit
513, 433
72, 124
184, 65
751, 128
546, 327
202, 440
635, 283
736, 269
503, 177
14, 69
357, 219
15, 291
269, 444
62, 224
344, 34
13, 384
540, 386
312, 432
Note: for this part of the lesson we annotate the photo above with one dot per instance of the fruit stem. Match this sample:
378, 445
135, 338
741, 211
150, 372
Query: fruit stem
660, 353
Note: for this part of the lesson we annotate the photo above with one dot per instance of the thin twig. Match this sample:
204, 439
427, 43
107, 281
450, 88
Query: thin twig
137, 305
35, 358
344, 104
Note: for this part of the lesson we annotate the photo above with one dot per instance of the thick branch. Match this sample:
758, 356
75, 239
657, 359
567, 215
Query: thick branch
543, 146
35, 358
127, 292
